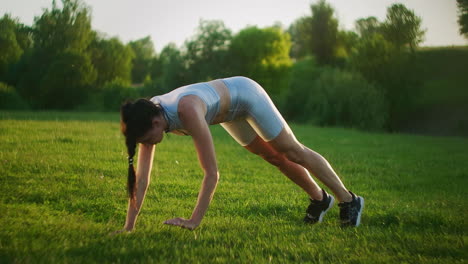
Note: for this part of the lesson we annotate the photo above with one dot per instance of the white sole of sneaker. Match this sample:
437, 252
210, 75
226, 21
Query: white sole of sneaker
361, 201
322, 214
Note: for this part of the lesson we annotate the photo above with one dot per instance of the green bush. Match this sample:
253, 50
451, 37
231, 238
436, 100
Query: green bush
332, 97
394, 71
343, 98
116, 92
67, 81
303, 74
110, 97
10, 99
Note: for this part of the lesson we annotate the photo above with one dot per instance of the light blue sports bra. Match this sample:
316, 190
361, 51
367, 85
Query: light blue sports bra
170, 101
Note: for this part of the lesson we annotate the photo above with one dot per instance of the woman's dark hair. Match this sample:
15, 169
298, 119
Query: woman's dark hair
136, 118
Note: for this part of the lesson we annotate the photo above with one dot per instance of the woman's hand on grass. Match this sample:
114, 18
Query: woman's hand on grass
189, 224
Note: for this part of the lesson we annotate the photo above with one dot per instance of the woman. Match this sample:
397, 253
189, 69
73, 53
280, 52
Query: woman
244, 109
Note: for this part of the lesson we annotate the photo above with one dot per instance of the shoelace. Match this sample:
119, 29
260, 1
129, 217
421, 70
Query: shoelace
347, 211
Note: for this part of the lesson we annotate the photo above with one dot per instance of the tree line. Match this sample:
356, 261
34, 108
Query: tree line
313, 70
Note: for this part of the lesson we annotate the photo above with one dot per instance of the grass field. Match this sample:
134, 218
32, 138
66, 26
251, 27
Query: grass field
63, 191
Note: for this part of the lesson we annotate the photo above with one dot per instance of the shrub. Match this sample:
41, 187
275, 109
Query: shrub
393, 71
67, 81
303, 74
333, 97
10, 99
343, 98
116, 92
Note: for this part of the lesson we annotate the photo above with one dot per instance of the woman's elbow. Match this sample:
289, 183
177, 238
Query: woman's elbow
213, 176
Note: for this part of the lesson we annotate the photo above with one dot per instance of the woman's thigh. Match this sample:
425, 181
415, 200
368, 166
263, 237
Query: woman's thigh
258, 117
241, 131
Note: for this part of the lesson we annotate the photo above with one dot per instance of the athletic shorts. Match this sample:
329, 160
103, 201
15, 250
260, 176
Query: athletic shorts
251, 112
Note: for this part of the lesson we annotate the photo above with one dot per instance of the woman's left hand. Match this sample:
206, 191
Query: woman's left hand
189, 224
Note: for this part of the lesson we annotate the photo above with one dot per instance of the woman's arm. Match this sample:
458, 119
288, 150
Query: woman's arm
145, 163
192, 115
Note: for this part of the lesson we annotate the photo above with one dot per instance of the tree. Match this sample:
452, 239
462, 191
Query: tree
11, 50
206, 51
10, 99
318, 35
346, 43
14, 41
58, 30
324, 32
112, 60
372, 57
173, 69
67, 81
380, 62
366, 27
61, 40
262, 54
402, 27
144, 53
463, 17
300, 37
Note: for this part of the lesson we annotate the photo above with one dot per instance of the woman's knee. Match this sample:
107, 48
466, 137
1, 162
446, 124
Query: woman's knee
294, 154
275, 159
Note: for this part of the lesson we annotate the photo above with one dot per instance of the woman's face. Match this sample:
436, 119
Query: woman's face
155, 134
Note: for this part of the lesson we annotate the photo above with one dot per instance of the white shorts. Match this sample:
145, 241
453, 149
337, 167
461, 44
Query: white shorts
251, 112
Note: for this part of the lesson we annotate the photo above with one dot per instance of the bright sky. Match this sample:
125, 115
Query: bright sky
176, 20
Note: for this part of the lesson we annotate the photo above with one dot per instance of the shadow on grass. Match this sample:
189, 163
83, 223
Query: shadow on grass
412, 221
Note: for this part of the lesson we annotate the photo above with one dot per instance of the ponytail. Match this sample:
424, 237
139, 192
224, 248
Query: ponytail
135, 120
131, 179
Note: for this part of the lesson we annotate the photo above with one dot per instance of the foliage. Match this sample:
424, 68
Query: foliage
263, 55
60, 62
341, 98
324, 32
463, 17
332, 97
367, 27
346, 45
141, 63
318, 35
67, 81
372, 58
206, 52
110, 97
63, 192
440, 108
12, 44
402, 27
57, 72
303, 74
116, 92
59, 30
10, 99
174, 72
111, 59
300, 37
393, 70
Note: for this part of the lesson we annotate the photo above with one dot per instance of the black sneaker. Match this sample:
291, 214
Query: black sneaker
317, 209
350, 212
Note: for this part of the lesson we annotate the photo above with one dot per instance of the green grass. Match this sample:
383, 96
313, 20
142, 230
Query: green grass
63, 191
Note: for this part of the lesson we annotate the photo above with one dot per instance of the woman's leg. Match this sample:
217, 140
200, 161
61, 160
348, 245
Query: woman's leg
246, 136
264, 120
292, 170
287, 144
